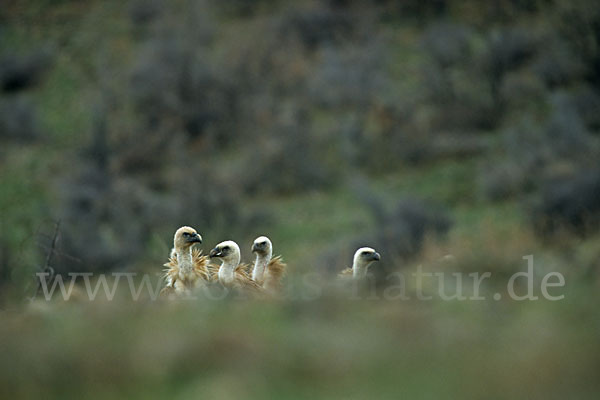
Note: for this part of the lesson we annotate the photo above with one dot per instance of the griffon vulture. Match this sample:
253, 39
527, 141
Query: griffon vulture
268, 270
231, 273
187, 268
362, 259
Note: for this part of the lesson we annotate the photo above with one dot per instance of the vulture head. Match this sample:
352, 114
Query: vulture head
365, 256
262, 247
185, 237
227, 251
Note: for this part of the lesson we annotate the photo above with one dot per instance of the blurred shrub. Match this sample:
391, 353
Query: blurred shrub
566, 131
316, 26
447, 44
495, 13
456, 85
534, 152
352, 84
173, 85
522, 92
19, 72
144, 12
18, 120
244, 8
421, 11
447, 48
96, 235
348, 77
177, 86
93, 237
504, 180
571, 204
586, 102
578, 21
506, 50
287, 161
401, 231
556, 64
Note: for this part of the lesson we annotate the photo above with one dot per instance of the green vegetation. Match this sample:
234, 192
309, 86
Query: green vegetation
322, 350
419, 128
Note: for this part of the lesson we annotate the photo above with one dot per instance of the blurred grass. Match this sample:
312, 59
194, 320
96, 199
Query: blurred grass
308, 224
23, 209
325, 349
452, 182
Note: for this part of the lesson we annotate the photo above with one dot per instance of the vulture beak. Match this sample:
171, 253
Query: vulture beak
376, 257
195, 239
255, 247
216, 252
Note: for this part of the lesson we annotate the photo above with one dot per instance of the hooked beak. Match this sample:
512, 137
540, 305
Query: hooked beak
216, 252
196, 238
255, 247
376, 257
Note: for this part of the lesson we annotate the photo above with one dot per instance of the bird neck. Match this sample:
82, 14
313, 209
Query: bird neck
260, 265
184, 259
227, 270
359, 270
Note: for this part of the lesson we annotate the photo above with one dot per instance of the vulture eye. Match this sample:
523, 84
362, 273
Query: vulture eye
226, 248
186, 234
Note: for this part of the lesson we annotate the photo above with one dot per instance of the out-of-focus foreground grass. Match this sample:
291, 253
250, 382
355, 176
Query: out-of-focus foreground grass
331, 348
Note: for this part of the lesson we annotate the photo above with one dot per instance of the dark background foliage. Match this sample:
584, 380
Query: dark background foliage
214, 113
